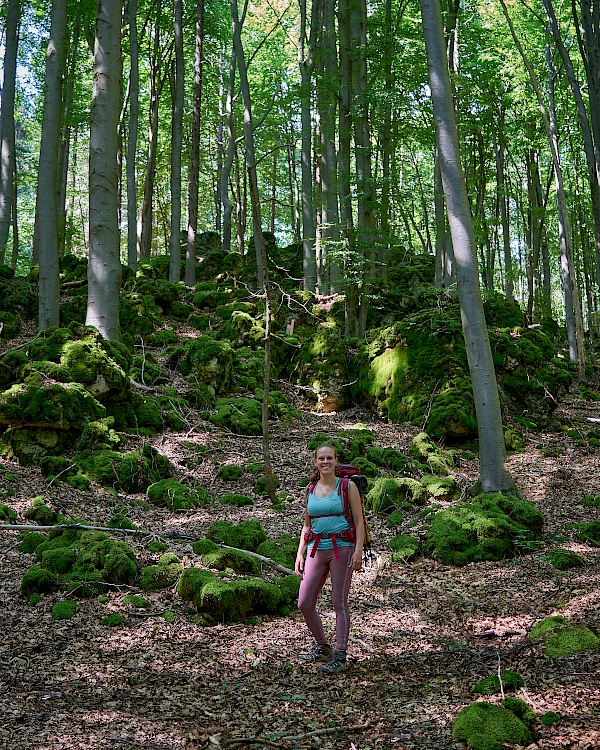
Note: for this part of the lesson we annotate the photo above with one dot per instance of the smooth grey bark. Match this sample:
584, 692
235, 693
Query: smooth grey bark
132, 137
176, 145
229, 156
104, 264
306, 65
7, 123
194, 167
504, 212
493, 475
48, 172
249, 142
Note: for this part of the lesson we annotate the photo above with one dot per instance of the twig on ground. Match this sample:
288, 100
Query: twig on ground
295, 737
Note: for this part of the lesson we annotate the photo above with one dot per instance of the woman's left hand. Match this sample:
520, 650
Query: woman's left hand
356, 561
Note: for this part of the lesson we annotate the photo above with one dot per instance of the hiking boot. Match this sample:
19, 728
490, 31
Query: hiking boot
336, 664
320, 653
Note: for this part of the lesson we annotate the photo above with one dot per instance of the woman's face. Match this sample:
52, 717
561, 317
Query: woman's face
326, 461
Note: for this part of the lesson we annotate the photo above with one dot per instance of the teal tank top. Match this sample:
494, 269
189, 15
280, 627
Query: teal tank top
331, 524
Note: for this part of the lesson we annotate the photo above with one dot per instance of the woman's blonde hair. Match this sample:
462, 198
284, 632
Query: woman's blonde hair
316, 474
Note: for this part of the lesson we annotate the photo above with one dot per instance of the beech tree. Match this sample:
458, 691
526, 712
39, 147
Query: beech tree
104, 263
493, 475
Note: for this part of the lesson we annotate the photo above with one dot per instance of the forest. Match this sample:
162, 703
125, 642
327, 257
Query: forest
231, 233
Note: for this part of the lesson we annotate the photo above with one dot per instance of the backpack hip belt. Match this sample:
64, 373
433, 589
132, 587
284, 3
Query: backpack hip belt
348, 535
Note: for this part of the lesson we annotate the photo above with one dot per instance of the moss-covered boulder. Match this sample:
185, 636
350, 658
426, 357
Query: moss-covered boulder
236, 560
37, 580
486, 528
129, 472
491, 685
161, 576
7, 515
283, 551
484, 726
99, 434
388, 494
445, 489
235, 499
426, 452
404, 548
561, 638
564, 559
245, 535
176, 496
64, 610
323, 368
210, 361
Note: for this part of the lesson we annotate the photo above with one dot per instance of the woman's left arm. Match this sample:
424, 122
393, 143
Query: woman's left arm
357, 517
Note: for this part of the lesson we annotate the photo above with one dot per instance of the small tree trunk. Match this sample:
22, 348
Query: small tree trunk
176, 145
48, 172
305, 62
229, 156
132, 138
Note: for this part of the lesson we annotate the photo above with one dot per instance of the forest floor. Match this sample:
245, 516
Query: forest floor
422, 636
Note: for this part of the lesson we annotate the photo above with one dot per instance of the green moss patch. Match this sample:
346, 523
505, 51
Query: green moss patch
484, 726
486, 528
283, 551
426, 452
237, 500
7, 515
563, 559
561, 638
246, 535
491, 685
404, 548
388, 494
589, 532
176, 496
64, 610
233, 559
128, 472
161, 576
230, 472
441, 488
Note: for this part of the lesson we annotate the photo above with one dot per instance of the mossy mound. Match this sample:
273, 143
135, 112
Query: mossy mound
7, 515
30, 541
426, 452
564, 559
323, 368
486, 528
209, 361
248, 369
147, 370
176, 496
135, 601
550, 718
589, 532
521, 710
283, 551
561, 638
99, 434
491, 685
405, 548
128, 472
43, 515
446, 489
230, 472
161, 576
233, 559
237, 500
243, 416
83, 562
234, 601
245, 535
139, 315
388, 494
484, 726
64, 610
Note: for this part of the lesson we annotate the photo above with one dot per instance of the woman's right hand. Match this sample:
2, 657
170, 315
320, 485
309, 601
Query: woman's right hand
299, 566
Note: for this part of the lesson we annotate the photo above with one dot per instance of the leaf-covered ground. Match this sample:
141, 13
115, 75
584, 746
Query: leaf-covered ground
422, 634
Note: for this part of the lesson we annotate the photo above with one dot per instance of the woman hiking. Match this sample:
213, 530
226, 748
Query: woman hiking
334, 548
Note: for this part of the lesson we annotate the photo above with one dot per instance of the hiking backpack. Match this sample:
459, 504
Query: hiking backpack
346, 473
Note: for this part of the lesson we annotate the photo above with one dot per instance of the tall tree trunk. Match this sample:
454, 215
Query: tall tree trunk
504, 213
7, 123
229, 156
176, 145
306, 64
48, 172
194, 168
249, 141
104, 265
132, 137
493, 475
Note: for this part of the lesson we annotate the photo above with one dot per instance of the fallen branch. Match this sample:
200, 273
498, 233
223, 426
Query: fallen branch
295, 737
143, 532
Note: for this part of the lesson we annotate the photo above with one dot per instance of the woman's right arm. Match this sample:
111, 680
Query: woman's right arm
299, 566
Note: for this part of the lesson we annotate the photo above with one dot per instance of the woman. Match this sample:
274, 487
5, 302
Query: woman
333, 550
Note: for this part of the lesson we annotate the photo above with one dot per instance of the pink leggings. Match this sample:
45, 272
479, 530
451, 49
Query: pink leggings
316, 570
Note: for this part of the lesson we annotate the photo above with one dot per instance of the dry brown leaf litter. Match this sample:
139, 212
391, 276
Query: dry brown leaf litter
422, 635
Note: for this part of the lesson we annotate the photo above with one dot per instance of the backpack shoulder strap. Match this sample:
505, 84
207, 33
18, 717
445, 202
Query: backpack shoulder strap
343, 491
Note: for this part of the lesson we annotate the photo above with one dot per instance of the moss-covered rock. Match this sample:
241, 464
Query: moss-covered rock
176, 496
64, 610
99, 434
491, 685
486, 528
481, 722
245, 535
550, 718
424, 450
323, 368
204, 546
561, 638
129, 472
210, 361
30, 541
236, 560
521, 710
564, 559
7, 515
404, 548
589, 532
441, 488
37, 580
230, 472
161, 576
237, 500
43, 515
283, 551
388, 494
